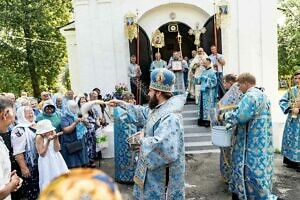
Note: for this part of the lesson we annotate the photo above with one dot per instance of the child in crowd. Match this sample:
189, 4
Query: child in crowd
50, 163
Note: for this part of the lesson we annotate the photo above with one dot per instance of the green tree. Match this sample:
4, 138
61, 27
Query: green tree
289, 37
32, 50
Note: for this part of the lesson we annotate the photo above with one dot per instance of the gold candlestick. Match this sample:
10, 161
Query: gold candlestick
179, 39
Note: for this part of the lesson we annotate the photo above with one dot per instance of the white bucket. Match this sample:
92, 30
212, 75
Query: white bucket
220, 136
109, 152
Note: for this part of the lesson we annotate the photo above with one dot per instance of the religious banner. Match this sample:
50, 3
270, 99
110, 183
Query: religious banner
222, 13
158, 39
131, 29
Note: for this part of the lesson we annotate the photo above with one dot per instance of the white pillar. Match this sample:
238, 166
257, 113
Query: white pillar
103, 52
71, 41
84, 42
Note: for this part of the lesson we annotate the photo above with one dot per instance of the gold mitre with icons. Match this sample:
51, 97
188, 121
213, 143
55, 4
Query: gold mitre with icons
158, 39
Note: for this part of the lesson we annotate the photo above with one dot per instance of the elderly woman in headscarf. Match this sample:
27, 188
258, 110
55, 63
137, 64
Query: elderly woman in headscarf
73, 141
93, 122
50, 112
22, 141
59, 103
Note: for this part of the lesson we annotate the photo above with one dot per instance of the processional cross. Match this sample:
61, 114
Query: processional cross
197, 32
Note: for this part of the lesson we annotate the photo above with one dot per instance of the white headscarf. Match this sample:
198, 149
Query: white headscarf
24, 143
21, 116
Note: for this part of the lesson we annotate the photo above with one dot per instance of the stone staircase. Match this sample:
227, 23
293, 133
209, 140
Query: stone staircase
197, 139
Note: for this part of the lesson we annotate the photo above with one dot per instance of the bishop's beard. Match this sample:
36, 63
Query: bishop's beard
153, 102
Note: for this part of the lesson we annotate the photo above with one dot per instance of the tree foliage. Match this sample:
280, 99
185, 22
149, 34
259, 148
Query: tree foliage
32, 50
289, 37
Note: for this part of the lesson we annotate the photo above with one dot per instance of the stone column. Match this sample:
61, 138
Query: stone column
71, 42
84, 46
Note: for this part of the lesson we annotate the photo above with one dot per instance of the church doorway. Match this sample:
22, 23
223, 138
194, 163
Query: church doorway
171, 42
144, 61
146, 51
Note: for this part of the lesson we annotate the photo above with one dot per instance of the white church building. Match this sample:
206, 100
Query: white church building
99, 50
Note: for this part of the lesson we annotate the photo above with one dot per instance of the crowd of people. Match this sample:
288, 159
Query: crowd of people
46, 139
41, 140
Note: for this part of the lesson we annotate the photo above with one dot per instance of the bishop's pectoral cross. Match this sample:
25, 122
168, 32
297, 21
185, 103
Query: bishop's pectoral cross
197, 32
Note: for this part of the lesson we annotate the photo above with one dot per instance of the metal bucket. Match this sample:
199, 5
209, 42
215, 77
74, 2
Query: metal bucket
220, 136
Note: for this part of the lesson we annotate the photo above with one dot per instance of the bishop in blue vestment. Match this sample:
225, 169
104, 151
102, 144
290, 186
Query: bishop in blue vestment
161, 165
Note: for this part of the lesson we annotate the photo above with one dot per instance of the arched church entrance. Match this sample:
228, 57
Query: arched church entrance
146, 51
171, 41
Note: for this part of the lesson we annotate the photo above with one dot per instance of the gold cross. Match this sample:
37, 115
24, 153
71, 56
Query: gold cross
197, 32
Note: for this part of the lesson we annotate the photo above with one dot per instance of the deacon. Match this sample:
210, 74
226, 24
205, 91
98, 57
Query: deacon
290, 104
252, 151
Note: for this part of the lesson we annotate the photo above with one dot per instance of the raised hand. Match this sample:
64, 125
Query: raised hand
114, 102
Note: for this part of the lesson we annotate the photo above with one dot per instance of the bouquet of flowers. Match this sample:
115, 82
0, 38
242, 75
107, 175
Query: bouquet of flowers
120, 88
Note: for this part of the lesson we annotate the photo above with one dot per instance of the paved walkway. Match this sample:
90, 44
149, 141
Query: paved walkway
203, 180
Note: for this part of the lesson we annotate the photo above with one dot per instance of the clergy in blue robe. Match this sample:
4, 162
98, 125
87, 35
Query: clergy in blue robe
178, 65
208, 94
161, 165
124, 127
252, 153
228, 102
291, 134
158, 62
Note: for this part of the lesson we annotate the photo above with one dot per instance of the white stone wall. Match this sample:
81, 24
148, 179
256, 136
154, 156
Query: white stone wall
103, 50
249, 40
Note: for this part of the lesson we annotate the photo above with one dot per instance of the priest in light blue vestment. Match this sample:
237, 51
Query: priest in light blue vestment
208, 93
161, 165
124, 127
175, 62
291, 134
252, 151
227, 103
158, 62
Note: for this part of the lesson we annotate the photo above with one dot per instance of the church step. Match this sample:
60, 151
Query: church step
198, 138
190, 107
196, 129
197, 134
199, 146
190, 113
190, 121
202, 151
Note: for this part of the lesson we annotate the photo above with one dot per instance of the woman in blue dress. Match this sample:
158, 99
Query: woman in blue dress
73, 141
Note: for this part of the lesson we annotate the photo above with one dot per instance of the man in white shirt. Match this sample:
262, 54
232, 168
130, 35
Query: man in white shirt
218, 62
134, 73
9, 181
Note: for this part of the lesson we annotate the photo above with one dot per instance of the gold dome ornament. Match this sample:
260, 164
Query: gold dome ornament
81, 184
